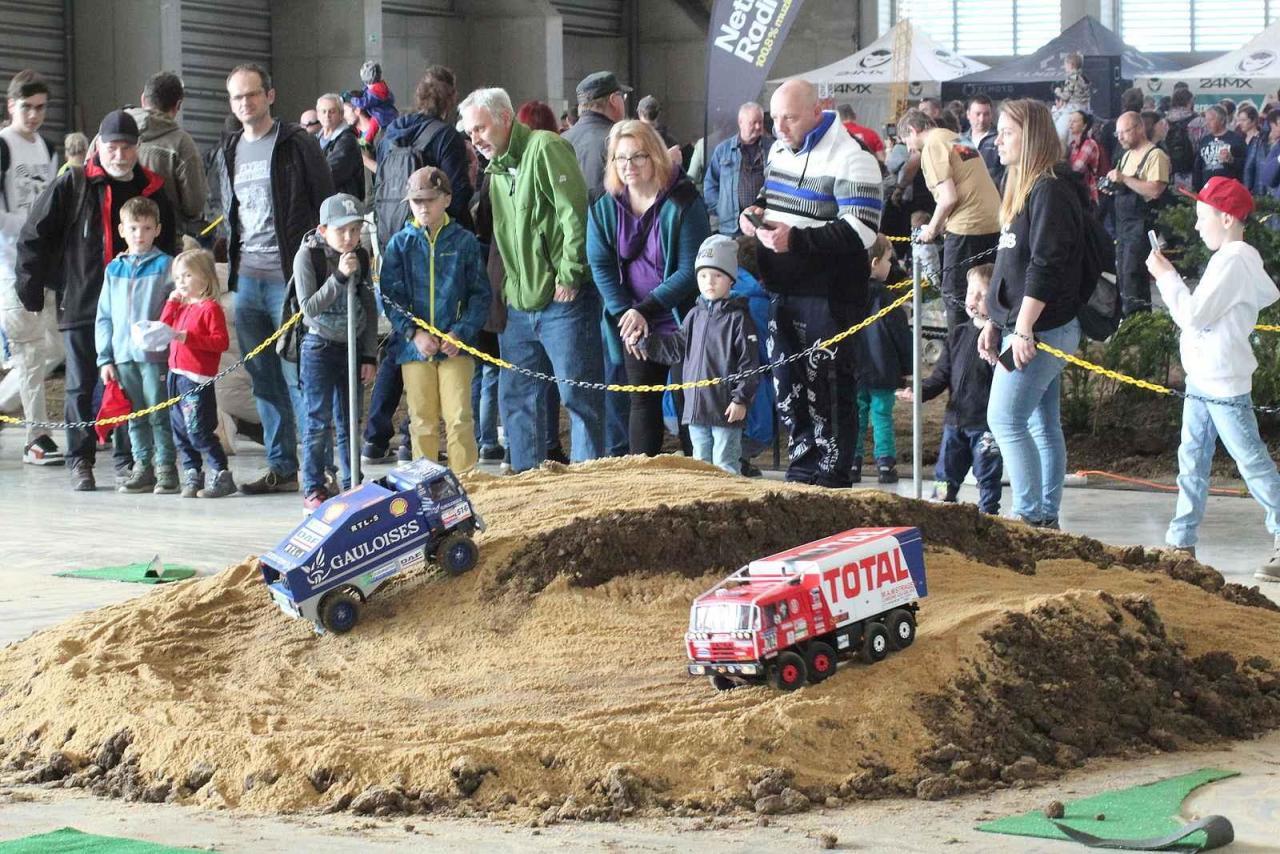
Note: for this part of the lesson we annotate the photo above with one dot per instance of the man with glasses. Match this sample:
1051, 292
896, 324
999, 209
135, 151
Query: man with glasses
274, 179
26, 167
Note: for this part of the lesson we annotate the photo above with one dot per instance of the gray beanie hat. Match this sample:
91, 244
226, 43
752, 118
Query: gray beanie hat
719, 252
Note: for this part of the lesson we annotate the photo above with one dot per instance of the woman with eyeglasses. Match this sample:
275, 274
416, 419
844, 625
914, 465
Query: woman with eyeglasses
643, 236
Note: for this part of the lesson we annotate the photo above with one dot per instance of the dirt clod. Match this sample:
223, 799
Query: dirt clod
1054, 809
828, 841
787, 802
468, 774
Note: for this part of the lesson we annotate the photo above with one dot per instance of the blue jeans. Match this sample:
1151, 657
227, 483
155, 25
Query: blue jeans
484, 404
388, 388
194, 421
1202, 425
324, 386
563, 338
259, 310
721, 446
1024, 416
976, 449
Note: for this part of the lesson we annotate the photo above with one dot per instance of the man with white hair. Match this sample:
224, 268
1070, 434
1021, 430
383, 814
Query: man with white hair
539, 203
340, 145
735, 171
820, 208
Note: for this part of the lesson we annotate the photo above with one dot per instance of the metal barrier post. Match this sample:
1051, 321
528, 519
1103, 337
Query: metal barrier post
917, 363
353, 382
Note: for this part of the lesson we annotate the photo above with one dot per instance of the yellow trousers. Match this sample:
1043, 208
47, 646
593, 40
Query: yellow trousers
441, 389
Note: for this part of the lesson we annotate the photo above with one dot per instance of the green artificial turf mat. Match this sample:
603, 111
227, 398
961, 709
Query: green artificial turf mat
153, 572
71, 841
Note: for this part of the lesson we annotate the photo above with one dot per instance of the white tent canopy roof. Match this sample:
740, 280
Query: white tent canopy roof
1260, 58
874, 64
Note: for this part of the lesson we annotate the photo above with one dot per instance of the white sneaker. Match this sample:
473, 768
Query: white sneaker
43, 452
1270, 571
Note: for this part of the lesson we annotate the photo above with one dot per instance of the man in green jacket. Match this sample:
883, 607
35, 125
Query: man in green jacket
539, 204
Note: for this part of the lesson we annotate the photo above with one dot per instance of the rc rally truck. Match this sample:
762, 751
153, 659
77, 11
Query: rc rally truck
788, 618
353, 543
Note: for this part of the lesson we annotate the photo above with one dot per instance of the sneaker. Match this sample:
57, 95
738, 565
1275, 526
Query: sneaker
314, 499
82, 476
191, 481
556, 455
404, 453
166, 480
1185, 551
43, 452
142, 479
220, 485
1270, 571
371, 454
494, 454
270, 482
887, 473
855, 473
1048, 524
331, 484
749, 469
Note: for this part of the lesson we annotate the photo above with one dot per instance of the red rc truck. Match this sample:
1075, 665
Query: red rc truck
788, 618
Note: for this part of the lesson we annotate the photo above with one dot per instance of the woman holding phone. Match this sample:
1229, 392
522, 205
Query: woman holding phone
1034, 296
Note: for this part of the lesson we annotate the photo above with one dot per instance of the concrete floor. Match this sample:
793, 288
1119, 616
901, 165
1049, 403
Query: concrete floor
47, 528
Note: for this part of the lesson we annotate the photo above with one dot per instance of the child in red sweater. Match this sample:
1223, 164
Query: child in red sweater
199, 338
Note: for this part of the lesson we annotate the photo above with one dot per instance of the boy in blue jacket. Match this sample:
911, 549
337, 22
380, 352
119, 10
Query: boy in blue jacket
434, 268
134, 289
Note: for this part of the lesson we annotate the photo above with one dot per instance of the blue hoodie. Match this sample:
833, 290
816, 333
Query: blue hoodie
134, 288
447, 151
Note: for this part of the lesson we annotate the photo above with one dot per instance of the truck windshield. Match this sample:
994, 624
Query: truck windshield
722, 617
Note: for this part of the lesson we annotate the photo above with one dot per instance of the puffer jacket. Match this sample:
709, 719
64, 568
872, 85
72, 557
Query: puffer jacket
134, 288
170, 152
442, 281
300, 182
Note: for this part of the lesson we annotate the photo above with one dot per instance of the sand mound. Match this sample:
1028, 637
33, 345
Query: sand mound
548, 683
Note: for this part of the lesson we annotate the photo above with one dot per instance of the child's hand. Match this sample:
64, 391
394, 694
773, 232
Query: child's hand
108, 373
735, 412
367, 373
449, 348
1157, 264
348, 263
905, 394
428, 345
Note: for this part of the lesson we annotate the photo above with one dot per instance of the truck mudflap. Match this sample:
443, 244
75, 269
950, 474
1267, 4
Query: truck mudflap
735, 668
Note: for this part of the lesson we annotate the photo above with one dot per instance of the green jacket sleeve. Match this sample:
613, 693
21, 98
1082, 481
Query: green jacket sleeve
560, 180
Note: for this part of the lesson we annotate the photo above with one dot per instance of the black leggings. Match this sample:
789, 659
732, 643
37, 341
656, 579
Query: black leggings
645, 421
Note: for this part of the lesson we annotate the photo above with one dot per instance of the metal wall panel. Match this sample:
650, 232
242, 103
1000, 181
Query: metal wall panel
33, 35
217, 36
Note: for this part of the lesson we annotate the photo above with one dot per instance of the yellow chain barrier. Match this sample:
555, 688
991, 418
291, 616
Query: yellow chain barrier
211, 226
1099, 369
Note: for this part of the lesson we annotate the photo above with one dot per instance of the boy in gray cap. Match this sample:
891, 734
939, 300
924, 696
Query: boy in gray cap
327, 264
719, 339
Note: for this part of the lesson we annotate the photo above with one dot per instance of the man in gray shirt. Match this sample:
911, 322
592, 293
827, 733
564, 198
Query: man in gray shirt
274, 178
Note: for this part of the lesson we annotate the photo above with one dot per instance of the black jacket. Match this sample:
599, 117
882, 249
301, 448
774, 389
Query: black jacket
300, 182
589, 137
884, 347
345, 163
73, 232
716, 339
1040, 253
968, 378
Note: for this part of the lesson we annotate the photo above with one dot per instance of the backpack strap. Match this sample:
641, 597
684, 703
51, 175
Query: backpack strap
4, 170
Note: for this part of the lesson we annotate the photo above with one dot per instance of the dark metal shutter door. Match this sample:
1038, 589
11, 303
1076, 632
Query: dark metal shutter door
33, 35
216, 37
590, 17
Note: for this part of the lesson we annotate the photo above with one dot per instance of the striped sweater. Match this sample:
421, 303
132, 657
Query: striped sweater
830, 193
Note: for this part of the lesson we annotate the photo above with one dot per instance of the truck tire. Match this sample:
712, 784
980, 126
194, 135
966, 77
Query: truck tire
875, 643
339, 612
457, 553
788, 672
820, 659
902, 628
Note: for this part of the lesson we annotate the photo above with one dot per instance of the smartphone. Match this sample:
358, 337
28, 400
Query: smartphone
1006, 359
758, 221
1157, 245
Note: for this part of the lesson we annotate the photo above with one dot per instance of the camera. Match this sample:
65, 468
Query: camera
1106, 185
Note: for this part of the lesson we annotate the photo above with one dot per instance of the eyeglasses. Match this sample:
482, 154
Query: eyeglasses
636, 160
245, 96
314, 123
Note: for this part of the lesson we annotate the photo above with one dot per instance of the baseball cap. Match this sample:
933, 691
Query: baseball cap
118, 126
1224, 194
719, 252
428, 183
341, 209
598, 84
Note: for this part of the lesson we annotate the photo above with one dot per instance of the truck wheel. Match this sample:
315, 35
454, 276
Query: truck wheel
721, 682
339, 612
902, 628
875, 643
821, 661
457, 553
789, 672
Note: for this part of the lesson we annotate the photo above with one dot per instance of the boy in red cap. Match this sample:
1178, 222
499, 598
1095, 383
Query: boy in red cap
1216, 320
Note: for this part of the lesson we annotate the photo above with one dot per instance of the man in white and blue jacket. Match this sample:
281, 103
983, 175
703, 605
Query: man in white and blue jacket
821, 204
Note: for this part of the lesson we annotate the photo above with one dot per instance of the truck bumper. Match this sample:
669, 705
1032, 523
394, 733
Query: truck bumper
284, 600
737, 668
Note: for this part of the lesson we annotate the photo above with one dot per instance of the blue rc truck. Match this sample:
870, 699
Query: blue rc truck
332, 562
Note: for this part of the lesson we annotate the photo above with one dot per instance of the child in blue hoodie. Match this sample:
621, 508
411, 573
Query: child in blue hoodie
134, 290
433, 268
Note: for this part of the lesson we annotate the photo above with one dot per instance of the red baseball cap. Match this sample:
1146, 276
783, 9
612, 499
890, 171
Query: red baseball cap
1225, 194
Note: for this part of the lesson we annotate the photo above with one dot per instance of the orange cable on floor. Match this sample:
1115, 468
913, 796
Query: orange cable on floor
1162, 487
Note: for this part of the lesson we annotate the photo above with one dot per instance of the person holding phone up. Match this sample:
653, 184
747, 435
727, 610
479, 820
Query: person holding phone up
1034, 296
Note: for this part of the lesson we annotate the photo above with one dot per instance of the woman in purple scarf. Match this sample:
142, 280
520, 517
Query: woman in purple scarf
643, 236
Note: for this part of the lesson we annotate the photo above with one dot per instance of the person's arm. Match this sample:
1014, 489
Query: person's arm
368, 337
1217, 293
41, 241
602, 257
319, 181
938, 381
668, 349
314, 296
344, 160
392, 284
944, 193
562, 183
102, 326
745, 357
209, 332
698, 162
169, 237
1149, 190
711, 183
192, 186
1197, 171
860, 200
682, 285
453, 160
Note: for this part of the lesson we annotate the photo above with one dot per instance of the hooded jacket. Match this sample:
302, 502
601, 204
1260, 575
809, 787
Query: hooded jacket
441, 280
300, 182
718, 338
134, 288
1218, 318
966, 375
539, 217
884, 347
446, 151
342, 150
71, 235
322, 296
170, 152
589, 137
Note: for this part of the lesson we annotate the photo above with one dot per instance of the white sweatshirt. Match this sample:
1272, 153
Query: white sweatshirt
1218, 318
30, 171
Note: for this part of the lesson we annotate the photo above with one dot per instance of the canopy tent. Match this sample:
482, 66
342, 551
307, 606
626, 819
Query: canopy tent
1247, 73
1108, 62
865, 78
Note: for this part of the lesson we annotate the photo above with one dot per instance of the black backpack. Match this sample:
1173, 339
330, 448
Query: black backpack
1100, 307
404, 157
1177, 142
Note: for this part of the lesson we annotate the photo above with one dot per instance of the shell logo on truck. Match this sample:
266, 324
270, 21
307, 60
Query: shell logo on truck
788, 618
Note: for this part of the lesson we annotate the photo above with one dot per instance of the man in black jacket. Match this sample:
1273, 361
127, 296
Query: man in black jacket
602, 103
274, 178
340, 146
73, 231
